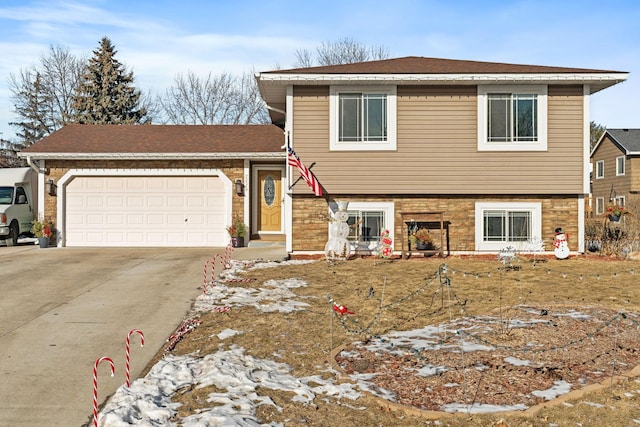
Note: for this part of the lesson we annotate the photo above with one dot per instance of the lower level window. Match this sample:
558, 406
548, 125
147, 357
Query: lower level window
367, 221
499, 225
365, 226
507, 226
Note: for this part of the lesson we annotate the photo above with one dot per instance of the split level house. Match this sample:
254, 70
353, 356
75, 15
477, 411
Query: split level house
484, 155
615, 163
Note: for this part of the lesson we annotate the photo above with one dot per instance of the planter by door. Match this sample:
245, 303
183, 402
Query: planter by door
43, 242
422, 246
614, 218
237, 242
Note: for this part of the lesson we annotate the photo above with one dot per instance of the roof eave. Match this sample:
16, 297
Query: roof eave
152, 156
596, 81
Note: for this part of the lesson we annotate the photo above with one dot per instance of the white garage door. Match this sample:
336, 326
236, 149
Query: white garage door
146, 211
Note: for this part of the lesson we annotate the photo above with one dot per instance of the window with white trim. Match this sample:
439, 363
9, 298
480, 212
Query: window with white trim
502, 224
362, 118
367, 221
512, 118
620, 166
600, 169
599, 205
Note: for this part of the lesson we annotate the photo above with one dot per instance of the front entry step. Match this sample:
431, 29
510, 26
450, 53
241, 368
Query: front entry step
265, 244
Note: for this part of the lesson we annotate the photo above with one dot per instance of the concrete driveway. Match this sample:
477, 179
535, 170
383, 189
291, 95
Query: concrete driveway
63, 308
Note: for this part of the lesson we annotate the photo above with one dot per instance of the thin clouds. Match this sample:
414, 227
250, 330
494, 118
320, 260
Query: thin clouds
160, 39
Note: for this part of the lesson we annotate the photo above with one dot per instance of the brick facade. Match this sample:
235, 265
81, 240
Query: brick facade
310, 225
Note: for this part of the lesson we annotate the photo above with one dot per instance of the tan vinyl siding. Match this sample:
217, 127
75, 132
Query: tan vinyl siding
437, 151
621, 185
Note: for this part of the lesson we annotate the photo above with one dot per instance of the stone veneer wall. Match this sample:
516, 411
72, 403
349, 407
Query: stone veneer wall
310, 225
233, 169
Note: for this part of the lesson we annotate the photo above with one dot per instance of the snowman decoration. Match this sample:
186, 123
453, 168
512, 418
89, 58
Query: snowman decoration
560, 244
338, 248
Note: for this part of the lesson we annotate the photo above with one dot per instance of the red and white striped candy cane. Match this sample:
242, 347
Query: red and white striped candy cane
204, 276
95, 386
227, 256
126, 353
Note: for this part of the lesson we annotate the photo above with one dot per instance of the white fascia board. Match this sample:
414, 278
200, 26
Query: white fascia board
445, 78
153, 156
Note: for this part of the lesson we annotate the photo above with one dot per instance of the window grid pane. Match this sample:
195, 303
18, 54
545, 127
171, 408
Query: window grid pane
525, 114
365, 226
375, 113
499, 117
350, 107
507, 226
362, 117
512, 117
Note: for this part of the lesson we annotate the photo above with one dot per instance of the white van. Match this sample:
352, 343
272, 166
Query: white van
18, 189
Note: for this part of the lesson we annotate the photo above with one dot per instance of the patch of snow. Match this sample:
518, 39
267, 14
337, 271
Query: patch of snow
228, 333
517, 362
431, 370
559, 388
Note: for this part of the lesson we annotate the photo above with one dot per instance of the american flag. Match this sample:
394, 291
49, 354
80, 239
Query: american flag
305, 173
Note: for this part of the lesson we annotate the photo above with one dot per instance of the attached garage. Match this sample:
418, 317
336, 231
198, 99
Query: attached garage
148, 210
156, 185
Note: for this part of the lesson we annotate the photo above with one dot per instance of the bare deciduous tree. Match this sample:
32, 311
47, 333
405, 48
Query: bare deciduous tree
342, 51
214, 99
42, 94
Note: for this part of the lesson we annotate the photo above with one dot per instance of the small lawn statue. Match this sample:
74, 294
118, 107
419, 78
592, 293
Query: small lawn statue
561, 245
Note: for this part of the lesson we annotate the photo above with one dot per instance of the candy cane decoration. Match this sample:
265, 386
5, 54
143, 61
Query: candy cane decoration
95, 386
227, 255
126, 353
204, 278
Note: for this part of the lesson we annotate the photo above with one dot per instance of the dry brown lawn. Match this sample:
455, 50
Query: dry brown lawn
403, 295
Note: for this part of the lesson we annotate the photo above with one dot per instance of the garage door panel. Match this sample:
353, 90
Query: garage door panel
146, 211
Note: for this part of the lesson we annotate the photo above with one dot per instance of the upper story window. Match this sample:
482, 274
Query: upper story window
620, 166
363, 118
512, 118
600, 169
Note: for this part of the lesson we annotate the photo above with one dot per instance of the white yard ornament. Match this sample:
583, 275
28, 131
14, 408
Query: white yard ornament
338, 248
561, 245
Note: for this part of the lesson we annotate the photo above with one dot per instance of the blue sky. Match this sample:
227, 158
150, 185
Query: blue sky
161, 38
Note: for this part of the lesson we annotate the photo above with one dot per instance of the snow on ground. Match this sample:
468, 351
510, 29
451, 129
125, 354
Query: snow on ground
148, 401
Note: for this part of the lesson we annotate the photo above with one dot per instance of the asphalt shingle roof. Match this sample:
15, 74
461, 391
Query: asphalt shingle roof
95, 139
423, 65
629, 139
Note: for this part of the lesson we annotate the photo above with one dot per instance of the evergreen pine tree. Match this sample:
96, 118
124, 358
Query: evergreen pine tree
106, 94
33, 105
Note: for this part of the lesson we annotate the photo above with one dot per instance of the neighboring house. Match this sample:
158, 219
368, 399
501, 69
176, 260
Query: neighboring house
616, 170
160, 185
501, 149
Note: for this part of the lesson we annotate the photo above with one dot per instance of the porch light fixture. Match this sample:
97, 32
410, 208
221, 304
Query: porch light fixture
51, 188
239, 187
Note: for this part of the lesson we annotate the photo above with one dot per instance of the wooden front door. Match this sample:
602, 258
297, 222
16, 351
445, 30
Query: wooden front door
269, 201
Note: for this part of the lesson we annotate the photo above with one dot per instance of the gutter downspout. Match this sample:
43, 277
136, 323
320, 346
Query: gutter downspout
33, 165
277, 110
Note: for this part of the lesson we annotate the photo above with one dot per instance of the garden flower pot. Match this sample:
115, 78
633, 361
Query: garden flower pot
237, 242
614, 218
43, 242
